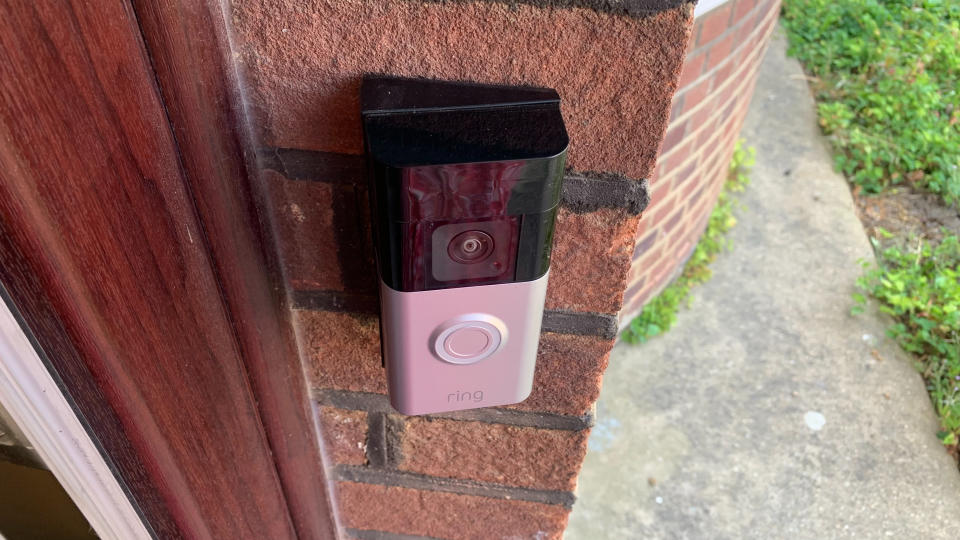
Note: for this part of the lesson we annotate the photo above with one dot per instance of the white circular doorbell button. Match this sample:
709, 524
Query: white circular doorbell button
469, 338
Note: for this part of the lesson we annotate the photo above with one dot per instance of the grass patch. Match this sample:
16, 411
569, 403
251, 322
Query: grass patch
661, 312
921, 288
887, 76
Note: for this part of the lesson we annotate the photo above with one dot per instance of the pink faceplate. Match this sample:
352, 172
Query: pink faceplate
421, 383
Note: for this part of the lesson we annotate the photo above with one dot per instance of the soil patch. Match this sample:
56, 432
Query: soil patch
907, 213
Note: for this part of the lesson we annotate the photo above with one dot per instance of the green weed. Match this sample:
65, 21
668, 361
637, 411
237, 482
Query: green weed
661, 312
887, 75
921, 288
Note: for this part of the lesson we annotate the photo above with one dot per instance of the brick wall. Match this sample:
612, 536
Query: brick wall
719, 72
487, 473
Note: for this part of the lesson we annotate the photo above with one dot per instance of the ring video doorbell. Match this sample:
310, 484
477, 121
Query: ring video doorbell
464, 186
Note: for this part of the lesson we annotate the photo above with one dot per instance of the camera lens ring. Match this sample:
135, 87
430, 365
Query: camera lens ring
470, 247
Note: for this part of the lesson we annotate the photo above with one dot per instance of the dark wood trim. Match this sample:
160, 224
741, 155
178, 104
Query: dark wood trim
102, 251
189, 45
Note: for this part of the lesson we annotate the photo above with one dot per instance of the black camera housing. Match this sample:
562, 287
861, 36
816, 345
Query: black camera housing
461, 166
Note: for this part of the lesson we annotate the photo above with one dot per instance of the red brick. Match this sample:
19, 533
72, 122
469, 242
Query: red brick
645, 244
591, 256
671, 161
677, 108
706, 134
342, 350
725, 93
497, 453
694, 197
692, 38
713, 24
719, 52
632, 276
727, 113
569, 372
768, 24
723, 73
742, 8
669, 225
303, 213
642, 227
683, 251
635, 289
688, 172
344, 435
679, 176
636, 304
665, 208
747, 27
663, 268
696, 94
692, 68
446, 515
634, 308
704, 114
657, 284
673, 136
303, 67
649, 258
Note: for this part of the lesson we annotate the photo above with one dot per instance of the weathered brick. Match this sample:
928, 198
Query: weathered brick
497, 453
303, 214
344, 435
446, 515
304, 67
341, 350
591, 255
569, 372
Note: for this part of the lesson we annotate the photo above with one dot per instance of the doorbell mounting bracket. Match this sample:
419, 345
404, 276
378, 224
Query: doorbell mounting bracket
465, 183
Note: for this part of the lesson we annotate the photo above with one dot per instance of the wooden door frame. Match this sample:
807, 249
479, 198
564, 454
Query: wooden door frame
143, 97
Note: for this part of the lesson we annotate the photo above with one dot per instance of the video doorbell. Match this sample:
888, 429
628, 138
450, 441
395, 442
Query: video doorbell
464, 185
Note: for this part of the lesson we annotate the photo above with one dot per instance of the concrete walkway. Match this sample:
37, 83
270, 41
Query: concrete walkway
764, 413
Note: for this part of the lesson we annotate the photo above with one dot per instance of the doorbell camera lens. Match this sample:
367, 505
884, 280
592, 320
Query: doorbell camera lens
471, 252
470, 247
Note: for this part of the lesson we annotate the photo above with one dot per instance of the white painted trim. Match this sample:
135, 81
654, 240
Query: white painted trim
703, 6
43, 414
